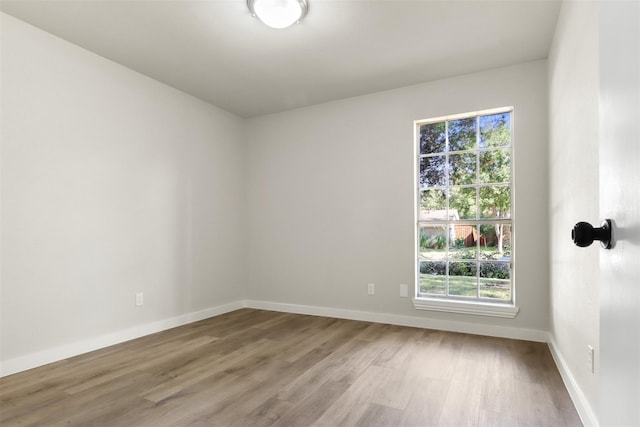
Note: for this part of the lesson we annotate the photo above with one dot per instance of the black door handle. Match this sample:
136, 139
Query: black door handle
583, 234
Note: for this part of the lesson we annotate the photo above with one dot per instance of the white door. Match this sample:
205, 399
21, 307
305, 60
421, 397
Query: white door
619, 36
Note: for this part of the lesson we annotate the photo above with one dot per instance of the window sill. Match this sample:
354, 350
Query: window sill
466, 307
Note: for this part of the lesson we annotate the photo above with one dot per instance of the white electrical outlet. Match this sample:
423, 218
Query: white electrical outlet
139, 299
404, 291
371, 289
590, 359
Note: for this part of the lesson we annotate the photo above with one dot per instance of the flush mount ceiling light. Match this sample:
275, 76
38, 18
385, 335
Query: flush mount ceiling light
278, 13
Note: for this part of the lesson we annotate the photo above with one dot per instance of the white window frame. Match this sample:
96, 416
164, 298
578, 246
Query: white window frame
483, 307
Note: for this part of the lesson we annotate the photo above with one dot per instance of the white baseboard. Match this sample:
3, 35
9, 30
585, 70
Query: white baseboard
55, 354
413, 321
587, 415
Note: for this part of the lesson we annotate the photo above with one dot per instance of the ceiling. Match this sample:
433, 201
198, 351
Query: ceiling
216, 51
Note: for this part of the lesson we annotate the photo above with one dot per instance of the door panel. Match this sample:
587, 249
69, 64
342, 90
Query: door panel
619, 368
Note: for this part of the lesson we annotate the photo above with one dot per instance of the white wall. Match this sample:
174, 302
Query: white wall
573, 169
112, 183
330, 195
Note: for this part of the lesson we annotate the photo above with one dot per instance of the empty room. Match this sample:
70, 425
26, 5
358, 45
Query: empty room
320, 213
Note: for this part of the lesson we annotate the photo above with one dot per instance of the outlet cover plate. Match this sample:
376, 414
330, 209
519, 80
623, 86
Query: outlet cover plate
404, 291
139, 299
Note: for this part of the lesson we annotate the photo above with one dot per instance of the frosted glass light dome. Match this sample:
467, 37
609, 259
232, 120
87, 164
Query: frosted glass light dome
278, 13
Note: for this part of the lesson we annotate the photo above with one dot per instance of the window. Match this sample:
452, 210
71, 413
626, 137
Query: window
464, 227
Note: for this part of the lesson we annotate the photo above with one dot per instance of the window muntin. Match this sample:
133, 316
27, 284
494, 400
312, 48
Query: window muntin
464, 222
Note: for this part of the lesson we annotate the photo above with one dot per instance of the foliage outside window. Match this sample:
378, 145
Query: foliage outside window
464, 225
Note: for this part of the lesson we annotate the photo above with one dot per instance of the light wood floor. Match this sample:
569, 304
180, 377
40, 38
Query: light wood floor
262, 368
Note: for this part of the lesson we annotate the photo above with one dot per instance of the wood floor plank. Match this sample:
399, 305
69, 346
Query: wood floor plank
434, 360
261, 368
499, 387
212, 364
394, 388
324, 334
35, 403
530, 360
104, 400
355, 360
333, 367
462, 404
398, 347
379, 416
142, 361
355, 401
535, 406
191, 404
269, 382
267, 414
313, 406
426, 403
489, 418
